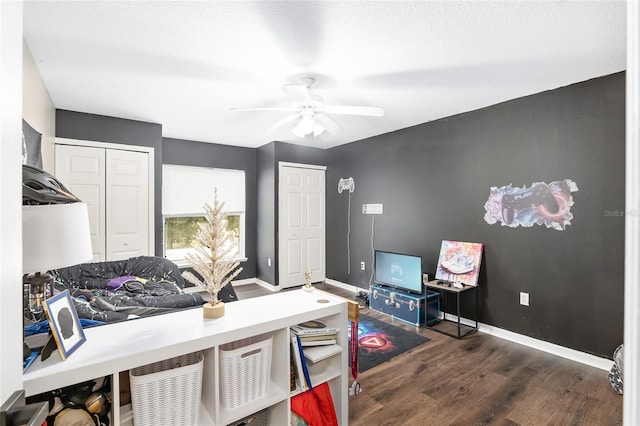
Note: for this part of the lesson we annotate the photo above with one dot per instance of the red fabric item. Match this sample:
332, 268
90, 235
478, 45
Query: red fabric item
354, 349
315, 406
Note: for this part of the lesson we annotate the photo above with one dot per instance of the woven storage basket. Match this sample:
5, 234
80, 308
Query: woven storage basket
245, 370
167, 393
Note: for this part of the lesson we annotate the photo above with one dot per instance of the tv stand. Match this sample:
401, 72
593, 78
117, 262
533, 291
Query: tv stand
415, 309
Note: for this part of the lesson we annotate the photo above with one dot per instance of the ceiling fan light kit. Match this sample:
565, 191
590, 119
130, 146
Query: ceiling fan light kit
311, 111
308, 125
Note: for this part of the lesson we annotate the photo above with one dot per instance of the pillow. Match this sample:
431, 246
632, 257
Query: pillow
116, 283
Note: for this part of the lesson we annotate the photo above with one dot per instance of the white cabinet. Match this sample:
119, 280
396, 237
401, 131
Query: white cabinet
113, 348
114, 181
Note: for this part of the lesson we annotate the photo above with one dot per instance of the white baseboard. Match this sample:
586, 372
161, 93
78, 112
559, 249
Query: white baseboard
342, 285
541, 345
572, 354
243, 281
266, 285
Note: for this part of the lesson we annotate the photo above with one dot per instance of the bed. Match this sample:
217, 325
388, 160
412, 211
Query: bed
124, 289
108, 292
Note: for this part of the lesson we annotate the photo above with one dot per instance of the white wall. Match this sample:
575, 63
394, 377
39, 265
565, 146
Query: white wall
38, 109
11, 196
632, 223
32, 102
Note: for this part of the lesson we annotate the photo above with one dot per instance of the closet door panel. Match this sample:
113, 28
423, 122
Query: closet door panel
127, 196
82, 170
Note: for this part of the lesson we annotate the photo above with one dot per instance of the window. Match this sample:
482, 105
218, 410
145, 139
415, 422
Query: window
185, 190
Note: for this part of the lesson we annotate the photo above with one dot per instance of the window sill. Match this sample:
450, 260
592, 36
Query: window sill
183, 263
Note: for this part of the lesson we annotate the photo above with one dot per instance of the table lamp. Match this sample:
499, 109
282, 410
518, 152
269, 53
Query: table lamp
53, 236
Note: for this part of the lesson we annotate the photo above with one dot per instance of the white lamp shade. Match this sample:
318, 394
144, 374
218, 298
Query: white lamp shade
55, 236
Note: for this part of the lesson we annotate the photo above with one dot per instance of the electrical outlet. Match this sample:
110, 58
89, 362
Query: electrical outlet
362, 266
372, 209
524, 299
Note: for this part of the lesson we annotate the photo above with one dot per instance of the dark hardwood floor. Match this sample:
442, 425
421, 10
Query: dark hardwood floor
479, 380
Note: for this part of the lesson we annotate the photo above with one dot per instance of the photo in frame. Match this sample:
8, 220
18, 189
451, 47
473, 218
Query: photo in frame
65, 324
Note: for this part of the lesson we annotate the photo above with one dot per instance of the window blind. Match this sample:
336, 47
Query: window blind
186, 189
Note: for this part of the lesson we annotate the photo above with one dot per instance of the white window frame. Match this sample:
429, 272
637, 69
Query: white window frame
178, 255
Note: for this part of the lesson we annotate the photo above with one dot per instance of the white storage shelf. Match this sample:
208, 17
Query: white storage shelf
325, 370
118, 347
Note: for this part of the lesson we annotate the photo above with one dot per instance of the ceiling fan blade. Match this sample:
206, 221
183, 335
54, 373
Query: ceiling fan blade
299, 94
354, 110
284, 121
289, 109
328, 123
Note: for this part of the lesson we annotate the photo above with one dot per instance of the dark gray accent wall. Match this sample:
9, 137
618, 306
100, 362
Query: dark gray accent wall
267, 187
435, 178
201, 154
301, 154
100, 128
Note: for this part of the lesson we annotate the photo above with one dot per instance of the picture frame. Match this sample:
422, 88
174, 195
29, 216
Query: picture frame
459, 262
65, 324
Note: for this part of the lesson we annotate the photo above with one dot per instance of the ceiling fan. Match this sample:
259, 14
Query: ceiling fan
310, 111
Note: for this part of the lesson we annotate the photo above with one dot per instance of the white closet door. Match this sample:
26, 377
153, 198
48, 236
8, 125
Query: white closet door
82, 171
127, 196
301, 225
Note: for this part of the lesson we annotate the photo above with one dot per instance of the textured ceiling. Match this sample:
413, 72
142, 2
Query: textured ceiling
185, 64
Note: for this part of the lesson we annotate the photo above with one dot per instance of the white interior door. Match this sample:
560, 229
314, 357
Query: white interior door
82, 170
127, 195
301, 224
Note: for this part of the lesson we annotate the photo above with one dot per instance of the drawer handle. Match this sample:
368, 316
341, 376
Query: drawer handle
253, 352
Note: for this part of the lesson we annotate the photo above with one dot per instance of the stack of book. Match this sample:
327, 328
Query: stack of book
315, 333
312, 341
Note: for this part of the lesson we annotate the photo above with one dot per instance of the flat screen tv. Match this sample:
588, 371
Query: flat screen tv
402, 271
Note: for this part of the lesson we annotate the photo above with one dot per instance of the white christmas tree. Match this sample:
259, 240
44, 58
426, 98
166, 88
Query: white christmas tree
213, 259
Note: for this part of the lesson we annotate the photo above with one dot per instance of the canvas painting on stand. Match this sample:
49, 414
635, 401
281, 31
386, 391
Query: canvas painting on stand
459, 261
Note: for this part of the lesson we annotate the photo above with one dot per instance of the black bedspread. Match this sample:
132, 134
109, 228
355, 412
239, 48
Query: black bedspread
119, 290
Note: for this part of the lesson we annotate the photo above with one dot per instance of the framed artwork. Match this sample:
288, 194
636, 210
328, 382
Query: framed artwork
65, 324
459, 261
